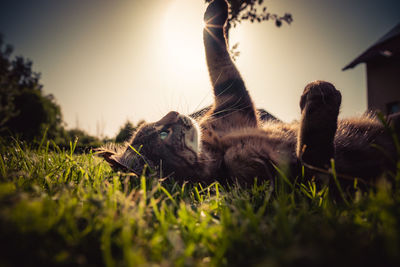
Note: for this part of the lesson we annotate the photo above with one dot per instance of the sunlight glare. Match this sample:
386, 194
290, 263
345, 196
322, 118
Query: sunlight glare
182, 35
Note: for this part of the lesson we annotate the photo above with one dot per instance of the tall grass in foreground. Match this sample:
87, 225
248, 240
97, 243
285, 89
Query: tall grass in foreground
61, 209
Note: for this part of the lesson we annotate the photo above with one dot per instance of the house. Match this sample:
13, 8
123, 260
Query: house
383, 72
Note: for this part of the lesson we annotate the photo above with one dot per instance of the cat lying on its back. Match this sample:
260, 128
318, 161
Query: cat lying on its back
230, 144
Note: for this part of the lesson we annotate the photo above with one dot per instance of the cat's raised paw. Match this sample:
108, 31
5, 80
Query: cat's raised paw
320, 104
321, 95
216, 13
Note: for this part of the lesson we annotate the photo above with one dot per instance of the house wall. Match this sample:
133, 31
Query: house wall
383, 79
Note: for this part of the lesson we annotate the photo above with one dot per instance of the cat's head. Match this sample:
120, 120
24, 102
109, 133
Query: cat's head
173, 143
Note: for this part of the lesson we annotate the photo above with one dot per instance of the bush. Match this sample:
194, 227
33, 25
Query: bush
126, 131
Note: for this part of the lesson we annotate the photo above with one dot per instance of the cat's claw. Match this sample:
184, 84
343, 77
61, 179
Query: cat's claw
216, 13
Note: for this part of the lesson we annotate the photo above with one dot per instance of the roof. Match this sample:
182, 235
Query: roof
375, 49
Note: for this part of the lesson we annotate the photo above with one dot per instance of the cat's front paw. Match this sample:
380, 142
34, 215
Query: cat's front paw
216, 13
321, 95
320, 104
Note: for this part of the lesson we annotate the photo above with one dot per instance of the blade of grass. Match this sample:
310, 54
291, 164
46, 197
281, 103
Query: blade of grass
334, 175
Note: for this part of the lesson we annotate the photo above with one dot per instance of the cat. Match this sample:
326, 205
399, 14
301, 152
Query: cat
230, 144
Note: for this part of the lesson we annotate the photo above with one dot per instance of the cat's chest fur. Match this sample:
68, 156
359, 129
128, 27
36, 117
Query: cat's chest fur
232, 151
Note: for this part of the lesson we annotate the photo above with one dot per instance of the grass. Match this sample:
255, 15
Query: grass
61, 209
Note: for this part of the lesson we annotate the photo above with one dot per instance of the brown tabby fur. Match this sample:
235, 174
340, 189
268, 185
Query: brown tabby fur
231, 144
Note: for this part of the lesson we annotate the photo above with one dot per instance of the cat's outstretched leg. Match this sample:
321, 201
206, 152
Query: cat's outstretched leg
230, 94
320, 104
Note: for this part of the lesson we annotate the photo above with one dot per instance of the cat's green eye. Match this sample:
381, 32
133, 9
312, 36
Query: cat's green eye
164, 135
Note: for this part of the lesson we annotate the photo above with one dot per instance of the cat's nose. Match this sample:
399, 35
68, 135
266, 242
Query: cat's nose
171, 117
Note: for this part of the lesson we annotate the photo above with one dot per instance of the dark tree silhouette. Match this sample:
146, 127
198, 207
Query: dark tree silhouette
24, 110
7, 94
126, 131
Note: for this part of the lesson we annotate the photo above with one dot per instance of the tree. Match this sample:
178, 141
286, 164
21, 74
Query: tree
241, 10
7, 94
85, 141
24, 109
126, 131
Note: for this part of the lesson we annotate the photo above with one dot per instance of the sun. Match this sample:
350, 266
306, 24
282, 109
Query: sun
182, 34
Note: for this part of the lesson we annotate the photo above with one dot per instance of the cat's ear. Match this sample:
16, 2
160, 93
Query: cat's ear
111, 157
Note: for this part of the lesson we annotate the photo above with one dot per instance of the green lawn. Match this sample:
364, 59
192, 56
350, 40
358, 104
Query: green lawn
61, 209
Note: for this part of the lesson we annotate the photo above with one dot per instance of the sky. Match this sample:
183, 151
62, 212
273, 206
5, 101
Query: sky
107, 62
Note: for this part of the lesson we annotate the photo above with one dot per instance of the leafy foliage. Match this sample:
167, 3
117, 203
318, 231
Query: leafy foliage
24, 110
28, 114
85, 144
125, 132
59, 209
242, 10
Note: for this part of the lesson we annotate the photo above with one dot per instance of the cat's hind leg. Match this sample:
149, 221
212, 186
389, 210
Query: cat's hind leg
320, 104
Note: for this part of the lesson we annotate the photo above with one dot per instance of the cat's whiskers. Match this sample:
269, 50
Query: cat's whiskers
207, 94
223, 91
231, 110
208, 24
219, 42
